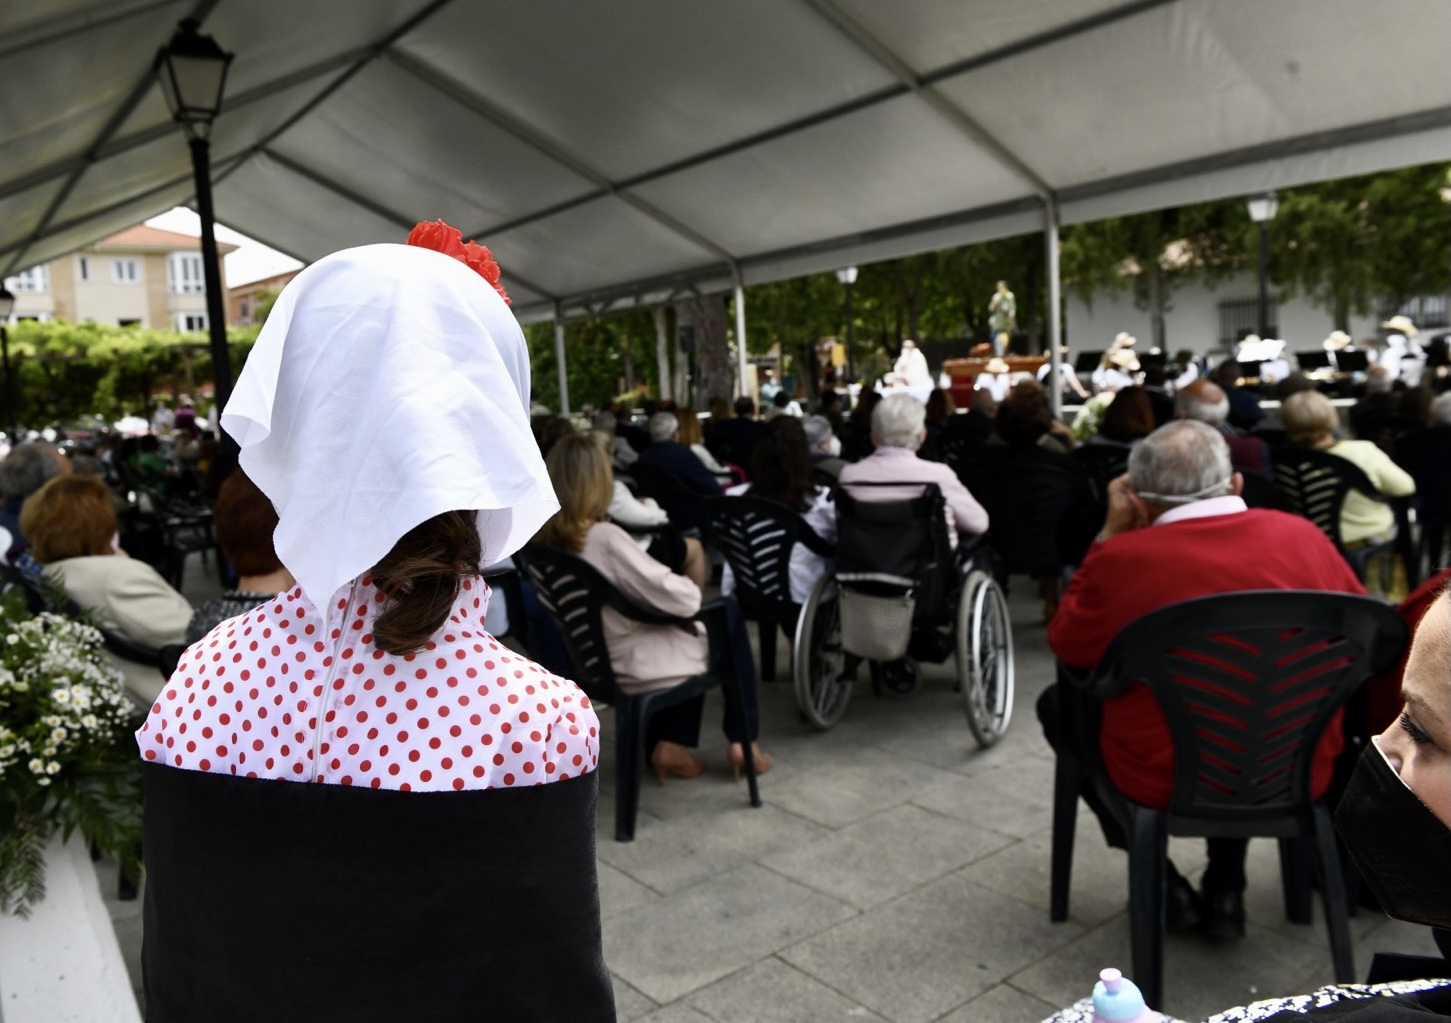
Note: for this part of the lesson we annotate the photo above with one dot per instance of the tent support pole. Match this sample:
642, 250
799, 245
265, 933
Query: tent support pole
662, 353
740, 330
559, 359
1055, 305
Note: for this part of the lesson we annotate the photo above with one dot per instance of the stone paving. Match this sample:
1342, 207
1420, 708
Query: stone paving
897, 872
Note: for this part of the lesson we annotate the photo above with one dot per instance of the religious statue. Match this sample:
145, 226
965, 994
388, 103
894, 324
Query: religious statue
1002, 317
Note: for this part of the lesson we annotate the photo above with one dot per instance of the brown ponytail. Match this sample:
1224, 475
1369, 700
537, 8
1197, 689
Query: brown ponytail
420, 577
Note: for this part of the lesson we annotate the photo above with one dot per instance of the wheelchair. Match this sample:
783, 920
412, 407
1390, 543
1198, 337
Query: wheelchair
900, 594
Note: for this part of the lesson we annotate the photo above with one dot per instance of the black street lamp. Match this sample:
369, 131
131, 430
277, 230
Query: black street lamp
847, 276
192, 71
1262, 209
7, 305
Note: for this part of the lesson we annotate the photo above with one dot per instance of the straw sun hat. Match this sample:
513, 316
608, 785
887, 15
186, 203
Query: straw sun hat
1401, 325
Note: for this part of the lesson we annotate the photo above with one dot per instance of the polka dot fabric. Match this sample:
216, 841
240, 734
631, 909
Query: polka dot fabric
286, 692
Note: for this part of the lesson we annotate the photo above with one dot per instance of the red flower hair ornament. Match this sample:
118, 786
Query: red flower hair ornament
440, 237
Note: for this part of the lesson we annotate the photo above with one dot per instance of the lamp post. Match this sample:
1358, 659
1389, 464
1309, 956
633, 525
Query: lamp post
192, 71
847, 276
7, 305
1262, 209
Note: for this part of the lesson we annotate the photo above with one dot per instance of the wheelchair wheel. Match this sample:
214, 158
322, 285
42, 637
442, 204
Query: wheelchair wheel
818, 662
985, 657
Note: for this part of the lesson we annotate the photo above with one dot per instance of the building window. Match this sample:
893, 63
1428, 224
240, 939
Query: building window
189, 322
128, 323
36, 279
244, 310
1423, 310
1239, 316
184, 270
125, 271
83, 268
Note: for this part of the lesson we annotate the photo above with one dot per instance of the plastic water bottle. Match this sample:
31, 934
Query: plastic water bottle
1116, 999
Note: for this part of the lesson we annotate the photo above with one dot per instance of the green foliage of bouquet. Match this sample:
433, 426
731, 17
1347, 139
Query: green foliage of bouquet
67, 757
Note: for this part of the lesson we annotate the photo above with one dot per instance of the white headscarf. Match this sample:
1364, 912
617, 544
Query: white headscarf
390, 384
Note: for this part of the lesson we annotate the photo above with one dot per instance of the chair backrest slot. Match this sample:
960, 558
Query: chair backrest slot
757, 536
1248, 682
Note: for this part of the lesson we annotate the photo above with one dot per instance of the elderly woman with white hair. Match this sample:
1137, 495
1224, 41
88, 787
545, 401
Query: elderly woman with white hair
823, 445
898, 429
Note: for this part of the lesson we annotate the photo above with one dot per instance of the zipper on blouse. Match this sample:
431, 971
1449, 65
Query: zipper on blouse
327, 682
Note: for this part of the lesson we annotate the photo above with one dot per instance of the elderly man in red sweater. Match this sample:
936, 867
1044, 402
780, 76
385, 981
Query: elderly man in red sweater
1177, 529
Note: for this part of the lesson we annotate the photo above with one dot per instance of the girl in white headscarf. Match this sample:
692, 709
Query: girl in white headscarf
384, 412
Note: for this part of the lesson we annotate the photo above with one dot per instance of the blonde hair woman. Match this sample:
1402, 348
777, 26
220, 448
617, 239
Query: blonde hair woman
1311, 421
693, 437
645, 657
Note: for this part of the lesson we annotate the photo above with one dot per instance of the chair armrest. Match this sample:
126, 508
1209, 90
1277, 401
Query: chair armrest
1098, 683
640, 529
717, 633
638, 612
130, 650
815, 544
1082, 680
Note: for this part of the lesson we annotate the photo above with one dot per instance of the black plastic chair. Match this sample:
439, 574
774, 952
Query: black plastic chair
506, 581
1259, 491
1101, 465
1248, 682
12, 580
1313, 484
574, 593
1427, 457
186, 526
756, 537
1028, 504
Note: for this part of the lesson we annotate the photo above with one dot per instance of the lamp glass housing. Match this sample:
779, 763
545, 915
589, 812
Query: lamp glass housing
192, 72
1263, 207
7, 304
847, 275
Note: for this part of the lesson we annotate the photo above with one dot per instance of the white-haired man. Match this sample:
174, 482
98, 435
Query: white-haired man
1204, 401
898, 429
667, 453
1177, 529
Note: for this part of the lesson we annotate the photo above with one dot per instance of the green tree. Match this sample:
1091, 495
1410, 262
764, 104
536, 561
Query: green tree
605, 356
1152, 254
66, 371
1343, 244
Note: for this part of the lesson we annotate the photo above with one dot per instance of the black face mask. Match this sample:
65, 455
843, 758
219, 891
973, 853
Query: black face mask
1402, 850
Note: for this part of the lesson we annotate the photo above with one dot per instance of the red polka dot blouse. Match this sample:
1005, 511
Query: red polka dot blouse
288, 692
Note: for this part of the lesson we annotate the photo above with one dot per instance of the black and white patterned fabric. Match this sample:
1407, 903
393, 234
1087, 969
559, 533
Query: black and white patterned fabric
1081, 1011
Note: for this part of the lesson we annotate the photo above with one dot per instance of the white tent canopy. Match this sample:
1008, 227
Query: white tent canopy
620, 154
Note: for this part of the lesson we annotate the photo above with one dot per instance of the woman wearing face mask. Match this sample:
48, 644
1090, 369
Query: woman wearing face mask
1395, 816
823, 445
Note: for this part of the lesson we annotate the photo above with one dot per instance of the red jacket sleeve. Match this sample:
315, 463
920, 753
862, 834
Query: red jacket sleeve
1091, 612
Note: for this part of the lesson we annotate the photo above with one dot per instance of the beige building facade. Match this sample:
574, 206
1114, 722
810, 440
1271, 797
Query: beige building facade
142, 275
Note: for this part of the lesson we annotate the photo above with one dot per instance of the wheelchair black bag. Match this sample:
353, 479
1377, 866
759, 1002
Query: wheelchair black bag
890, 545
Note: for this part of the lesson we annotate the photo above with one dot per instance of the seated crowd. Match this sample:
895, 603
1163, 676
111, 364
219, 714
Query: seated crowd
1169, 482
